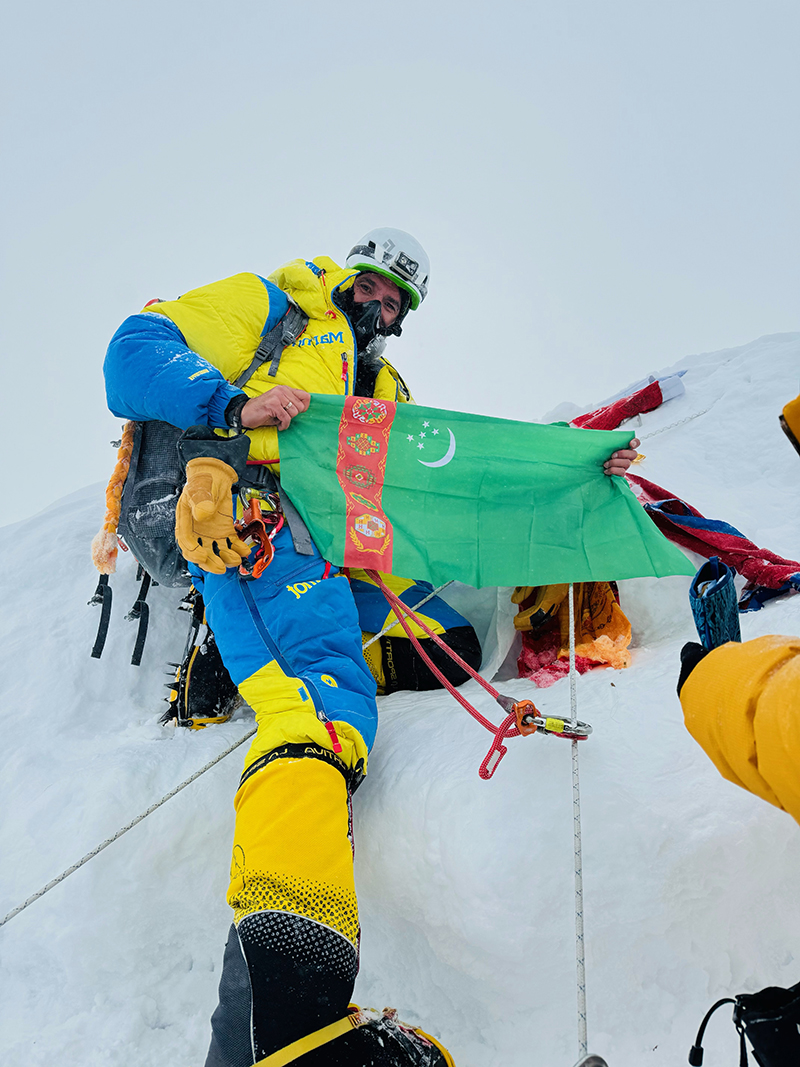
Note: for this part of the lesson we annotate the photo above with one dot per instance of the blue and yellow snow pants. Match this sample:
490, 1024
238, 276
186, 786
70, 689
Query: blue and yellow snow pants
291, 641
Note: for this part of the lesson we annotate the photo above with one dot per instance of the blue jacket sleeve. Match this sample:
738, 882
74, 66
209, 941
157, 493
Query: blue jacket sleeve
151, 373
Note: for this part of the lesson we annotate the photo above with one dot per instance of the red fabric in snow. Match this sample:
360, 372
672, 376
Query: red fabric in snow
758, 565
609, 417
538, 660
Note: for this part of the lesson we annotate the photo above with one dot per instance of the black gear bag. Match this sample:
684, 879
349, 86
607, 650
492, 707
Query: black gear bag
147, 511
770, 1019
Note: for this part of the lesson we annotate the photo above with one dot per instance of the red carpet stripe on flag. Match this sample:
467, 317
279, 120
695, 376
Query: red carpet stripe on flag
361, 467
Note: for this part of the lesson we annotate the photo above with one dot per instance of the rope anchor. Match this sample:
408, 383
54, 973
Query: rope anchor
522, 716
529, 719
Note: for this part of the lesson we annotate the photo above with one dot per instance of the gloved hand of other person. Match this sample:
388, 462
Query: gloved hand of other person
691, 654
204, 517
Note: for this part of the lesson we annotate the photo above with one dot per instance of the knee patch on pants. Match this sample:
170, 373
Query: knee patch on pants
286, 714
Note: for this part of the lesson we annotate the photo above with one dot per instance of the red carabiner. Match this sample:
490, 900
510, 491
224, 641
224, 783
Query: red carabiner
252, 529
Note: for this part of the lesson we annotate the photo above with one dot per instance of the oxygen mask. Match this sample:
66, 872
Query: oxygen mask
366, 318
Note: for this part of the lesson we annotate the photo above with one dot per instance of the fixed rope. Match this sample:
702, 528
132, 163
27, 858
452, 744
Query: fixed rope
674, 425
391, 626
124, 830
580, 949
523, 717
168, 796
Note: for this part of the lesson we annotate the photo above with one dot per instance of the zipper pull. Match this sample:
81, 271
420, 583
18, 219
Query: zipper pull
345, 370
337, 744
323, 718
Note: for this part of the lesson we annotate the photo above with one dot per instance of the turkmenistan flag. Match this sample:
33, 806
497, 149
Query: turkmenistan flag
434, 495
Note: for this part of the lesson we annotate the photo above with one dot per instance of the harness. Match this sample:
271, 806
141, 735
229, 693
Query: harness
284, 333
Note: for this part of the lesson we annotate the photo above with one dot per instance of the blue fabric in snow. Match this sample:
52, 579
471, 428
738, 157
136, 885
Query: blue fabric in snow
374, 612
693, 522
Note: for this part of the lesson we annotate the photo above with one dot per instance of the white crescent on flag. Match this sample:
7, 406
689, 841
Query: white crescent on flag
451, 451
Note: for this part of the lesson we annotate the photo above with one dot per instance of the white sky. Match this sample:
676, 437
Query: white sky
603, 188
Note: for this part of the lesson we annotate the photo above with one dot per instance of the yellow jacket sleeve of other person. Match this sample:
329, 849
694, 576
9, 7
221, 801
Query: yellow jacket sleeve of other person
741, 703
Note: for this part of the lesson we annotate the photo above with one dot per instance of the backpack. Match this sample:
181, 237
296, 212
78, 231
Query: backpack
771, 1021
147, 511
153, 482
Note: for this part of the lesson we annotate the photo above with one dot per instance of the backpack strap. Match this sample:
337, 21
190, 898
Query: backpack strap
696, 1051
270, 347
102, 596
140, 611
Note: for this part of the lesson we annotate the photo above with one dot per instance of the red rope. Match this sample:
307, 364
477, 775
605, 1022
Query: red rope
395, 603
507, 727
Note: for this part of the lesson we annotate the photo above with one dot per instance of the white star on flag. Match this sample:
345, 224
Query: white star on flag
435, 432
420, 445
410, 437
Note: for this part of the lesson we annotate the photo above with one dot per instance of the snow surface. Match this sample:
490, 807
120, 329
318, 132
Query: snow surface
466, 887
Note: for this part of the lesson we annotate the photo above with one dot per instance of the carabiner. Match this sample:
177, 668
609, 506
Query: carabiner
252, 529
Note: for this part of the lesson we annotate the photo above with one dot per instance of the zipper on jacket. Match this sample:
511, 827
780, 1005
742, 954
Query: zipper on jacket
329, 312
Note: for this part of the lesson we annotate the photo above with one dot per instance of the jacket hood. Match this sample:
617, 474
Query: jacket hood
310, 283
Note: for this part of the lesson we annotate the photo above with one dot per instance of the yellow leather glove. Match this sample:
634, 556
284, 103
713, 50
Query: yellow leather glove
204, 517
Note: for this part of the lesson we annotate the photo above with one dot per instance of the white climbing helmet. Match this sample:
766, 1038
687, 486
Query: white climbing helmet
397, 256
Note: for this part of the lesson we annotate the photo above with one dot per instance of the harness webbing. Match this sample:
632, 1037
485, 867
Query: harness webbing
102, 595
140, 611
270, 347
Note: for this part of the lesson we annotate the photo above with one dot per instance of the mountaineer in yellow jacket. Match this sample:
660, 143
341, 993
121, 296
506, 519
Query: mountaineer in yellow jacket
191, 361
291, 639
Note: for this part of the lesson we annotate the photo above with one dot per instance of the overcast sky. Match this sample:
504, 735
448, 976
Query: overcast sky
603, 188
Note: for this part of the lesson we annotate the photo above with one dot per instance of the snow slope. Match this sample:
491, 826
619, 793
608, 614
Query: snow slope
466, 887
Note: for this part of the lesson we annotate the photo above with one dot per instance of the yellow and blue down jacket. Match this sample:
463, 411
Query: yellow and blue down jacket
175, 361
741, 703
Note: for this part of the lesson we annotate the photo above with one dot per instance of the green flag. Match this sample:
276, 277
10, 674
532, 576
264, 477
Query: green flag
433, 494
